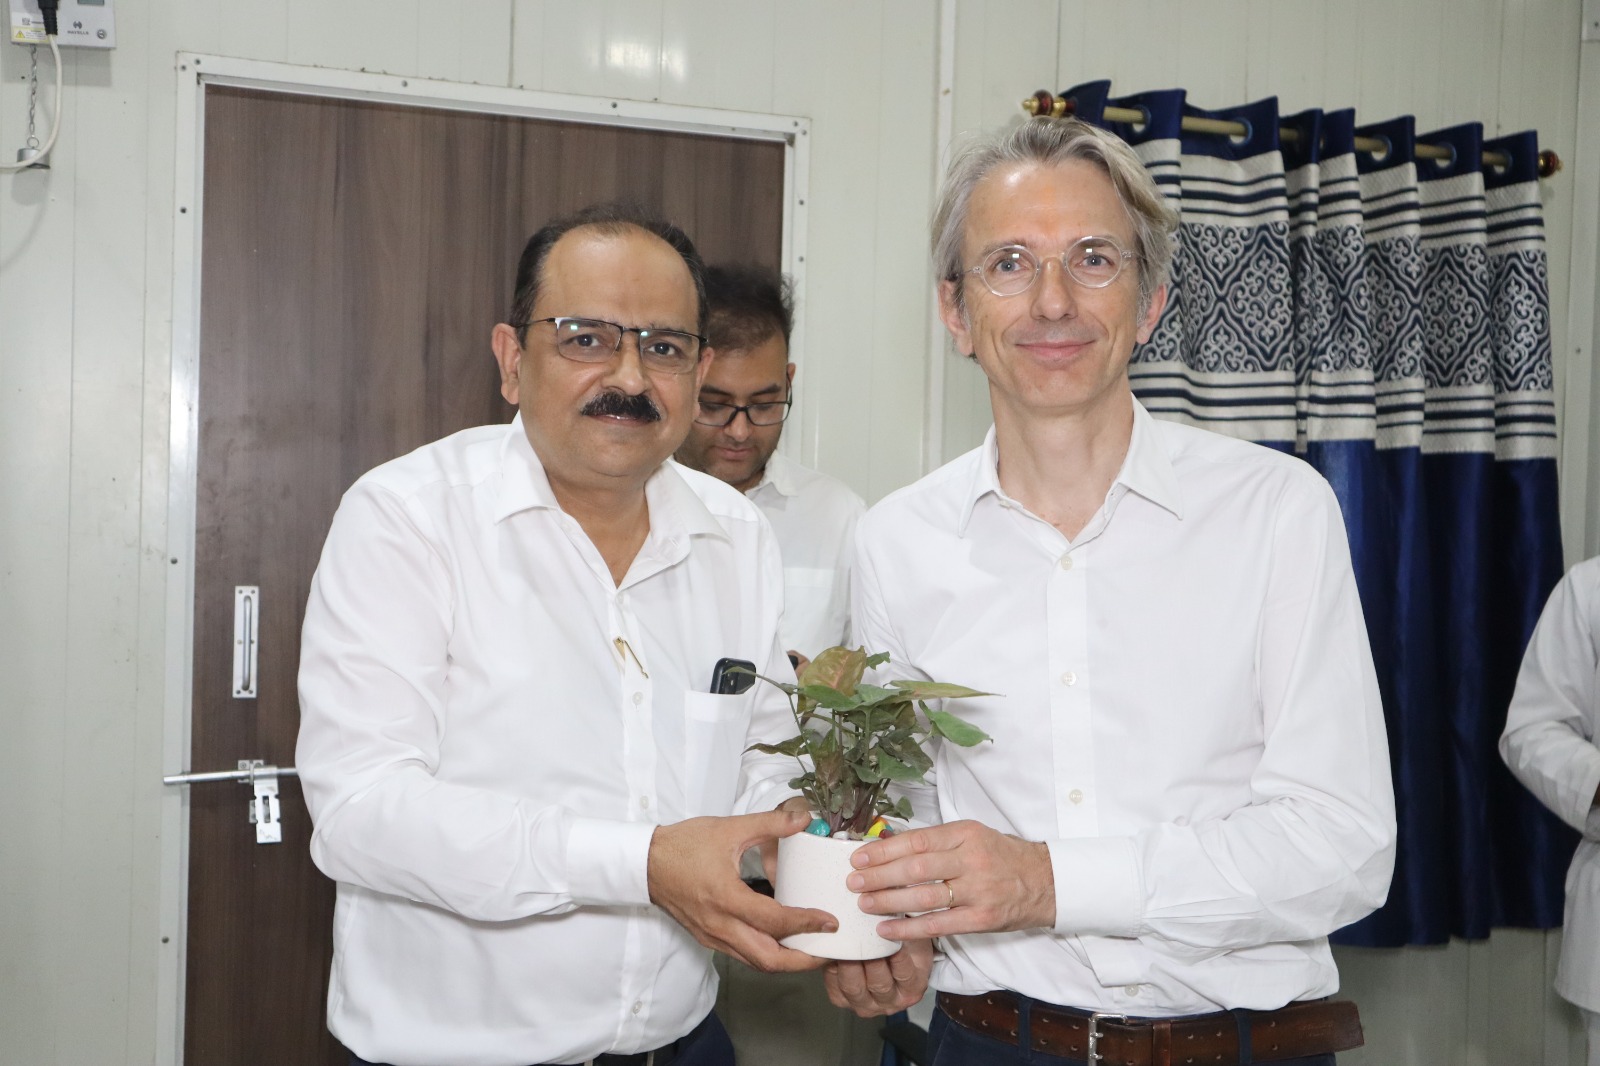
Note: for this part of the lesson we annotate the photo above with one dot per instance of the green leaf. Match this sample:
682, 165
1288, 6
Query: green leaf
838, 668
830, 698
936, 690
877, 659
910, 753
793, 746
895, 770
901, 808
873, 696
956, 730
868, 774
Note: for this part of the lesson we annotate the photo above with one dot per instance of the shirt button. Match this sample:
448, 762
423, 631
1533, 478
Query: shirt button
637, 1006
1069, 678
1132, 990
644, 802
638, 697
1066, 562
1076, 795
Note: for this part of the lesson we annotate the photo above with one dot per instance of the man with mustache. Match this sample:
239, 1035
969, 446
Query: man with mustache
1188, 787
516, 769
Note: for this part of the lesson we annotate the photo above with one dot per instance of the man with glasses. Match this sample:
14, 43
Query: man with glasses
520, 754
747, 393
1188, 787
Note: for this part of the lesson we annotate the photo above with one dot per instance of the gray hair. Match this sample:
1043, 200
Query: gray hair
1052, 141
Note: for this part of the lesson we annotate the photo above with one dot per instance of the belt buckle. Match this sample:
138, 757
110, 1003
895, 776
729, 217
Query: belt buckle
1094, 1033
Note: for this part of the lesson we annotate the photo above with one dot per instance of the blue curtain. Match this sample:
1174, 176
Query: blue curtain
1387, 319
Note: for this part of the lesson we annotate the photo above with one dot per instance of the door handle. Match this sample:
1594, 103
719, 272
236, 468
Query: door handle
246, 626
263, 782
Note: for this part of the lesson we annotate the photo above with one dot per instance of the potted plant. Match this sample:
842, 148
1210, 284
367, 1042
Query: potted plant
854, 741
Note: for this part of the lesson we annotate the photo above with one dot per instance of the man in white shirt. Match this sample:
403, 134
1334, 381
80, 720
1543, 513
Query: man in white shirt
516, 767
1550, 745
1189, 783
747, 393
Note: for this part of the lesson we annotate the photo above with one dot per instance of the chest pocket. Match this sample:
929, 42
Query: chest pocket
715, 727
813, 617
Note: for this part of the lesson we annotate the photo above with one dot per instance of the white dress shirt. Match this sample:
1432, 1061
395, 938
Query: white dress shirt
815, 517
492, 728
1550, 745
1188, 717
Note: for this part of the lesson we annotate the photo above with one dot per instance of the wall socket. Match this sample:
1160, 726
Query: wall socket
79, 24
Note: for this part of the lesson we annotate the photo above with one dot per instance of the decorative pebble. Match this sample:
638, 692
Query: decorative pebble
819, 828
877, 829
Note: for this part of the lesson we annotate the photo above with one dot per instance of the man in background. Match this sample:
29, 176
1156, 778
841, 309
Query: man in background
1549, 744
747, 393
777, 1019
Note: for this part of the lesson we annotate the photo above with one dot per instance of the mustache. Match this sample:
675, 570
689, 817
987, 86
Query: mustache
618, 404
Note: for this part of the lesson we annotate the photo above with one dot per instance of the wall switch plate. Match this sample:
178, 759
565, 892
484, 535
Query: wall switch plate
79, 24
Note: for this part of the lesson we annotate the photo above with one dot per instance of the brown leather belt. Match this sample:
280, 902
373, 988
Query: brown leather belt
1315, 1027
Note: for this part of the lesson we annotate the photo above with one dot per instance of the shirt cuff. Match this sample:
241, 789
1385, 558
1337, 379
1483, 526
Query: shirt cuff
1587, 774
609, 862
1098, 885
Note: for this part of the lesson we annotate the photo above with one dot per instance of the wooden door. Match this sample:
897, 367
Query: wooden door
355, 257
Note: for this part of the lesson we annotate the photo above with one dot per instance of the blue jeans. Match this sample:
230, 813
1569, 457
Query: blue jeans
950, 1044
706, 1045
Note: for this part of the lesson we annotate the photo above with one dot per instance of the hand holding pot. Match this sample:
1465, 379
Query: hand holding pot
881, 986
965, 877
693, 873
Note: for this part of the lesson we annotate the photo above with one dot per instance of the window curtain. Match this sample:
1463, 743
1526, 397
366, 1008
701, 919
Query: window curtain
1387, 319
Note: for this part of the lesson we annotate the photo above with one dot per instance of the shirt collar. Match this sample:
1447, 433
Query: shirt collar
675, 508
780, 474
1146, 470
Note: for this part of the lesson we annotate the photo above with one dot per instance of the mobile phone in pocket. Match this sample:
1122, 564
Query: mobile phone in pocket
732, 676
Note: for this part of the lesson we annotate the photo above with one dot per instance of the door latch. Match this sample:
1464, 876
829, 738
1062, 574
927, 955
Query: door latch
264, 812
263, 781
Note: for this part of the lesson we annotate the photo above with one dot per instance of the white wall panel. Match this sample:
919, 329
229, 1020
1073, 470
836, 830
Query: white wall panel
604, 48
99, 724
260, 30
466, 41
864, 74
719, 55
377, 35
36, 411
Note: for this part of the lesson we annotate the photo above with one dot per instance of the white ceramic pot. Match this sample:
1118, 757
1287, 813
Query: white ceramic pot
811, 873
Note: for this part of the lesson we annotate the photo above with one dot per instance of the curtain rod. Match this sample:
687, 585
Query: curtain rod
1045, 102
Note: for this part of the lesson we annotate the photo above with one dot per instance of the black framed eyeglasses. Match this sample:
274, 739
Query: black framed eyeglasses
594, 340
1093, 262
766, 413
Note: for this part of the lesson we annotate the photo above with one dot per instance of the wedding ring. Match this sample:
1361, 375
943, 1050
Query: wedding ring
948, 887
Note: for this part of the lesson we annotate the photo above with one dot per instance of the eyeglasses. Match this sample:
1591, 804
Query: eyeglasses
592, 340
1094, 262
770, 413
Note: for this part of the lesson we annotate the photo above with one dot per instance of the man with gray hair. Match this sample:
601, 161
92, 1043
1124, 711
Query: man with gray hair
1188, 787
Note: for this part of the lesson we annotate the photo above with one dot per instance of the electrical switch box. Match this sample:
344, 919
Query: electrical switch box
79, 24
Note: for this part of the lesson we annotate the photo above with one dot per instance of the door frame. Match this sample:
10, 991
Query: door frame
195, 72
